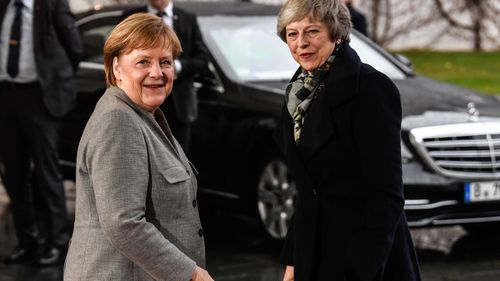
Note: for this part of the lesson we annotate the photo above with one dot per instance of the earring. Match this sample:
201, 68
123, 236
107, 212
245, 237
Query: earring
338, 41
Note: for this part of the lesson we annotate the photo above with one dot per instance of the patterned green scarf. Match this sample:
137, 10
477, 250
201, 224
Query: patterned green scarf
301, 92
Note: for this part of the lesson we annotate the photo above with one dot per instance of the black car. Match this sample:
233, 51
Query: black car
450, 136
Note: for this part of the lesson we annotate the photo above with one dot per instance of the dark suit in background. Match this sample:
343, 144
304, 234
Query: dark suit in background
181, 107
358, 20
30, 111
349, 223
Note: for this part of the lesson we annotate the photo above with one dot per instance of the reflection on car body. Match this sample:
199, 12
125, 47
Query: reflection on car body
451, 157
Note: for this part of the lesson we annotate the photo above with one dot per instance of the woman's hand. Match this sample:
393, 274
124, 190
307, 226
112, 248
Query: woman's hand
200, 274
288, 273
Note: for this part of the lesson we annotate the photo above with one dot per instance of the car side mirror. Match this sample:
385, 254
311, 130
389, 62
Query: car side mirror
404, 60
208, 83
207, 89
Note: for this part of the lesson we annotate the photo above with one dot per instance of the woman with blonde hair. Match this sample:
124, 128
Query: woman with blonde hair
136, 215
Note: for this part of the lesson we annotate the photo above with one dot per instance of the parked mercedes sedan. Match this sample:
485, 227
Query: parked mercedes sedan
450, 136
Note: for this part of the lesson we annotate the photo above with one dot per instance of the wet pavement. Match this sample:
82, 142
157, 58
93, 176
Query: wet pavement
236, 251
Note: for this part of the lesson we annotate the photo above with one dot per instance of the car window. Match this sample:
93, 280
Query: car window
368, 54
94, 30
248, 48
251, 50
93, 40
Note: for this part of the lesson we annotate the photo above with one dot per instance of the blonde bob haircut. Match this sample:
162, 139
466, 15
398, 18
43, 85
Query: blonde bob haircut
332, 12
139, 31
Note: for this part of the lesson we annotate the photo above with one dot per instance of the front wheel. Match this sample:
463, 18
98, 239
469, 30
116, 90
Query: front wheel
276, 196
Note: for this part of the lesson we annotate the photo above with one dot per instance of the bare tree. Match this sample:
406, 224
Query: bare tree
478, 19
392, 19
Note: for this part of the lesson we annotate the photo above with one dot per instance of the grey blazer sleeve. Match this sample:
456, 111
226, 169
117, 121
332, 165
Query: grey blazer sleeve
119, 172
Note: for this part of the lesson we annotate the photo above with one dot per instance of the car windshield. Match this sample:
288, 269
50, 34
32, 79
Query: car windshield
249, 46
249, 49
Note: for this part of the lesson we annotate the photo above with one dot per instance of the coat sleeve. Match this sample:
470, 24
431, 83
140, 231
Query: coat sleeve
67, 33
377, 125
287, 253
117, 162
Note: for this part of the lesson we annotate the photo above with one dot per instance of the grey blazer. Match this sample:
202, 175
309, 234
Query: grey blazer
136, 215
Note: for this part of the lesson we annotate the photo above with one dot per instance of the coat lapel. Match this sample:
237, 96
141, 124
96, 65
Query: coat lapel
338, 87
284, 138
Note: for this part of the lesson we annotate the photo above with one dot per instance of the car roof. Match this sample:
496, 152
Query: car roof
204, 8
237, 8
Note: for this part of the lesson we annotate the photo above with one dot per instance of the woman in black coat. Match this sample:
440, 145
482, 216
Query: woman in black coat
340, 134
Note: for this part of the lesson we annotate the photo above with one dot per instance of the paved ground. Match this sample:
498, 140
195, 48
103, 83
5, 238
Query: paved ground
236, 253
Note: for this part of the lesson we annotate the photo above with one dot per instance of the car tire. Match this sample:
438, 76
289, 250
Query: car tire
275, 197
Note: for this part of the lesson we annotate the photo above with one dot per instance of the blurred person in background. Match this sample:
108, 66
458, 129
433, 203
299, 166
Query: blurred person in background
40, 49
181, 108
340, 135
358, 19
136, 215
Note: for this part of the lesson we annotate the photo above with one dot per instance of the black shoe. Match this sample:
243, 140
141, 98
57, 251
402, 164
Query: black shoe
22, 254
51, 256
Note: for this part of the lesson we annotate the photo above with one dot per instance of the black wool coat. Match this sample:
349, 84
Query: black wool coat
349, 223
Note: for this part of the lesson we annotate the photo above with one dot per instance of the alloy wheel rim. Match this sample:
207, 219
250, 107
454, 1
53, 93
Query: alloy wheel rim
276, 198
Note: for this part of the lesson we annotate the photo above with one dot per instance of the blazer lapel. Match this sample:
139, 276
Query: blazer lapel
162, 122
338, 87
164, 133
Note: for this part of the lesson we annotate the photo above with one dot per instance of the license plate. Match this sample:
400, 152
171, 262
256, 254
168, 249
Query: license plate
482, 191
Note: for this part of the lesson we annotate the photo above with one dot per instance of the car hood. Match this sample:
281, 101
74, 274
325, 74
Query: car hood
435, 118
420, 95
426, 102
274, 85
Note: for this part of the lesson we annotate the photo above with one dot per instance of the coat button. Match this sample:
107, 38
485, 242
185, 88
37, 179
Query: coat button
200, 232
194, 203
